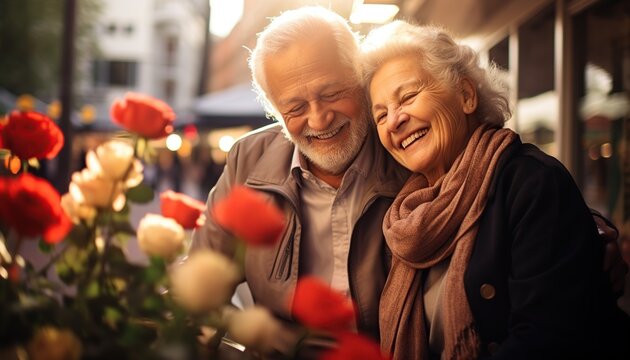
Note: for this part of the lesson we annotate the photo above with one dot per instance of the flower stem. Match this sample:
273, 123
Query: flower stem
18, 245
215, 341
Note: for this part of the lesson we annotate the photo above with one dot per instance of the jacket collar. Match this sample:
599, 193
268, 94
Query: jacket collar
509, 152
382, 175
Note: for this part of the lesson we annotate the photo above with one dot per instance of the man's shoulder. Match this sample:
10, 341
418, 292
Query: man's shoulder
262, 138
264, 153
262, 134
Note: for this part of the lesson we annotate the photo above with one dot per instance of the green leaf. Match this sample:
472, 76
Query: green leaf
112, 317
65, 273
140, 194
92, 290
153, 303
80, 235
45, 247
156, 270
136, 335
123, 227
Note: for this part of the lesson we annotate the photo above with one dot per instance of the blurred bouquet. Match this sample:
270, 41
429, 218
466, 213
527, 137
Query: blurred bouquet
88, 300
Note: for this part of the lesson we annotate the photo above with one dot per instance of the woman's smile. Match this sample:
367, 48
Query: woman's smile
414, 137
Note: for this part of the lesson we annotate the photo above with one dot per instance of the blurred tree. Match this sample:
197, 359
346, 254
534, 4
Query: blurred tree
30, 43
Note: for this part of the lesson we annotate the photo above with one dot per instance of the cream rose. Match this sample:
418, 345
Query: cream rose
205, 281
77, 211
90, 189
112, 160
254, 327
160, 236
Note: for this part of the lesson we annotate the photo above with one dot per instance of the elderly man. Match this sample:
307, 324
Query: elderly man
321, 164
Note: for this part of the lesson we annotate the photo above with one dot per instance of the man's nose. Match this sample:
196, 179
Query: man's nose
321, 117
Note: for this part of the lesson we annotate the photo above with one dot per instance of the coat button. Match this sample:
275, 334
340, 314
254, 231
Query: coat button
487, 291
493, 348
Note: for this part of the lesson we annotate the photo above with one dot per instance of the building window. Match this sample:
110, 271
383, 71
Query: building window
537, 106
169, 90
110, 28
128, 29
602, 77
171, 50
115, 73
500, 54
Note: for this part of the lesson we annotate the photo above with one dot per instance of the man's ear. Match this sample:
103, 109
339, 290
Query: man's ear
469, 96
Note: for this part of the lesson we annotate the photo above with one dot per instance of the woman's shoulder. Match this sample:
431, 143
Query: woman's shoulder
530, 156
526, 171
524, 160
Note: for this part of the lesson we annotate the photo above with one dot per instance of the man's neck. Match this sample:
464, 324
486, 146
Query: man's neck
328, 178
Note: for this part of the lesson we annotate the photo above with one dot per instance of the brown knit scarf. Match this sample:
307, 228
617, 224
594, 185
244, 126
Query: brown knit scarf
425, 225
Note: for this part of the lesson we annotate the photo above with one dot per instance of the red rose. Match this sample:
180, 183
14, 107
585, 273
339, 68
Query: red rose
182, 208
29, 134
14, 273
144, 115
317, 306
248, 215
32, 207
354, 346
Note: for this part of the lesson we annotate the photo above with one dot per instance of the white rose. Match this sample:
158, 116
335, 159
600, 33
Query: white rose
254, 327
205, 281
112, 160
160, 236
90, 189
77, 211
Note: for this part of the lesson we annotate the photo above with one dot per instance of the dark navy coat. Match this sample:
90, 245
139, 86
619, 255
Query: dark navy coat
534, 281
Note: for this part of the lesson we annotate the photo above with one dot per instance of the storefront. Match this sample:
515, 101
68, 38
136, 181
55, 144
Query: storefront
568, 66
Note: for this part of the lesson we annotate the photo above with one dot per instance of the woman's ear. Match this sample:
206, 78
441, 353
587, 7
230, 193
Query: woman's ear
469, 96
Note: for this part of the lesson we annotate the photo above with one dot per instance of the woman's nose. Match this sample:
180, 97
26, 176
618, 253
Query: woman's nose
396, 118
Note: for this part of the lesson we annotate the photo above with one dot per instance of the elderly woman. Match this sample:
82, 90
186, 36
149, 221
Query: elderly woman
494, 250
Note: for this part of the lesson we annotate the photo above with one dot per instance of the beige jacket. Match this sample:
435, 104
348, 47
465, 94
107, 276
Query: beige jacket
262, 160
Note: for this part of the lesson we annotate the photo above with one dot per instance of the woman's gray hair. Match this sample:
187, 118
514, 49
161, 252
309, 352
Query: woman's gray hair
294, 26
448, 61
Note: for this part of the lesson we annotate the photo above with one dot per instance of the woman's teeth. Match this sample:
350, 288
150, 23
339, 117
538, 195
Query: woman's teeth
413, 137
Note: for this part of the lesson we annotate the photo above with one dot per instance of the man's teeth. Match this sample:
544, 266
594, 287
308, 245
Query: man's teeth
413, 137
327, 135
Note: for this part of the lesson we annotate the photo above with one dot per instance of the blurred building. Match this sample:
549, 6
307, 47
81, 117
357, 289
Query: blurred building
568, 64
155, 47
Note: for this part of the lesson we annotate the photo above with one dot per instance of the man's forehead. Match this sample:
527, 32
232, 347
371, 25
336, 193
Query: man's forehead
303, 68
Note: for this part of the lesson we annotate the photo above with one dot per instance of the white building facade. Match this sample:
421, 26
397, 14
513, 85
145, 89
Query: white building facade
155, 47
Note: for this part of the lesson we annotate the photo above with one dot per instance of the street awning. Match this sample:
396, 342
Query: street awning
235, 106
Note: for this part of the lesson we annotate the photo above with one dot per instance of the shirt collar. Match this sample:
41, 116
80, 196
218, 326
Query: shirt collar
360, 165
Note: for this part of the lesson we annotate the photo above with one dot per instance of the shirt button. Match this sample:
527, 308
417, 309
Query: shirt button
487, 291
493, 348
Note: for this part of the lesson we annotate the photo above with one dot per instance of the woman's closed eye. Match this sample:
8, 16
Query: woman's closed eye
380, 117
408, 97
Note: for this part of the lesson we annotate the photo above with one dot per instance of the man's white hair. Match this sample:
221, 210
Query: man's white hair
294, 26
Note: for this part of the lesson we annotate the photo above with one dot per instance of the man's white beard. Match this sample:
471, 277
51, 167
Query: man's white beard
334, 160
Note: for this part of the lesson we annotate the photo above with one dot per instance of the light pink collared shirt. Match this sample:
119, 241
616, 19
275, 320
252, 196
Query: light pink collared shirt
329, 216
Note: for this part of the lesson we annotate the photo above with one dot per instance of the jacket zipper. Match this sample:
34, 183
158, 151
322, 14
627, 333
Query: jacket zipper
288, 248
